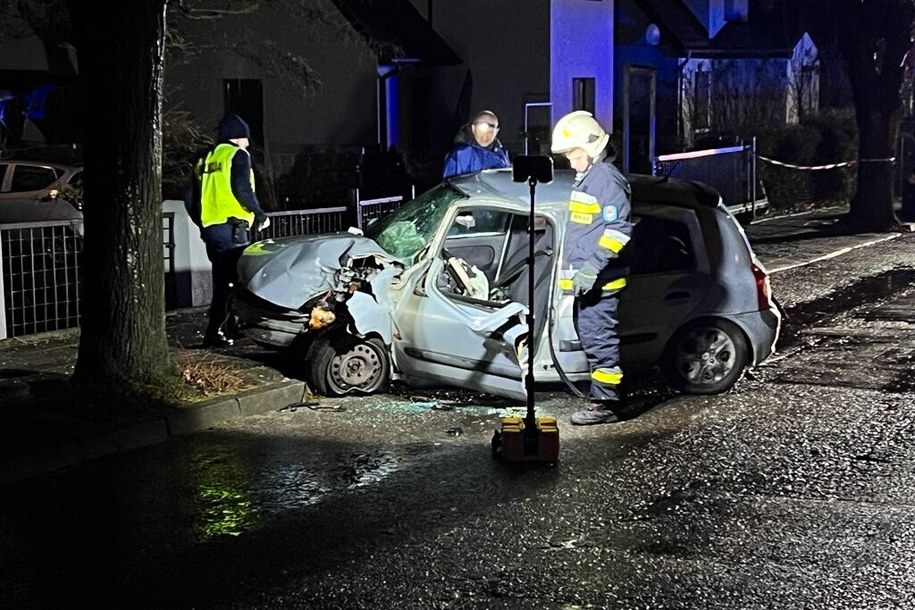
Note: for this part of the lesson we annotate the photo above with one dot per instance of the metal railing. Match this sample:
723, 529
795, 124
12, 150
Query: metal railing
731, 171
40, 274
368, 210
41, 266
305, 222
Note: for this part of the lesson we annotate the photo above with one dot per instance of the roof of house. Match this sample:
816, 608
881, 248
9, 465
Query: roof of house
766, 33
398, 32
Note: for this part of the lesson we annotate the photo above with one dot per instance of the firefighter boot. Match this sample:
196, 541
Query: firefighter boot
598, 412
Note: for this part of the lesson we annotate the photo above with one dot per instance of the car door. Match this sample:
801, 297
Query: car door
447, 331
669, 278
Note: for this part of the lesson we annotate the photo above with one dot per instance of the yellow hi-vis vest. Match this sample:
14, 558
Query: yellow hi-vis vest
217, 202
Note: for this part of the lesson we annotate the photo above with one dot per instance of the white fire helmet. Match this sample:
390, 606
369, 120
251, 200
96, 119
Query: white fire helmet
579, 130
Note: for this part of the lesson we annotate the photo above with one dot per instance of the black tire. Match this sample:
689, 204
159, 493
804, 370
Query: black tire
706, 357
341, 364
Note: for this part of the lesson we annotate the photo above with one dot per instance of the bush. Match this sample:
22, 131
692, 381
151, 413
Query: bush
183, 140
830, 137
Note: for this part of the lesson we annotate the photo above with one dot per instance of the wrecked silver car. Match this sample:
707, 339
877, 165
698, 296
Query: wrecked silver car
436, 293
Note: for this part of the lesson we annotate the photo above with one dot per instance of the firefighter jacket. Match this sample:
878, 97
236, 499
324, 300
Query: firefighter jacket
218, 202
598, 228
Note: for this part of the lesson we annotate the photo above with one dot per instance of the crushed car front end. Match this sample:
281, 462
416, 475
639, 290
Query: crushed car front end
295, 286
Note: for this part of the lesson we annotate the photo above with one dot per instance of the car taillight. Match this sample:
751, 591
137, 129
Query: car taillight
763, 288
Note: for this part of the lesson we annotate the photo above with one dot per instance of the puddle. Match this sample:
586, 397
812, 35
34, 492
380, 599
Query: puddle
231, 499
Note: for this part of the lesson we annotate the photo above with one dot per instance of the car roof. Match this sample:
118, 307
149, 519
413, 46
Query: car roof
498, 184
42, 163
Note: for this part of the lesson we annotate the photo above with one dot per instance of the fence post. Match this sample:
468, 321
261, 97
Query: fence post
358, 208
753, 178
3, 329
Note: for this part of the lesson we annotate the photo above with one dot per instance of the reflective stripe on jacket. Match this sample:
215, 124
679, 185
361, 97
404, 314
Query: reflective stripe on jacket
217, 202
598, 228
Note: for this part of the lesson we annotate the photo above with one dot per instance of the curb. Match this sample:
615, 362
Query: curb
182, 422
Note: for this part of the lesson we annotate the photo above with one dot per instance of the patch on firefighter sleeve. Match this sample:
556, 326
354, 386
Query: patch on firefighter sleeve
610, 213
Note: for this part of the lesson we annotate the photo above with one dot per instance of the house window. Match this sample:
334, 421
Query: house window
583, 94
703, 96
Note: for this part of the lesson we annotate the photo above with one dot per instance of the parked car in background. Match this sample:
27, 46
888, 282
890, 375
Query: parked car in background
32, 191
436, 293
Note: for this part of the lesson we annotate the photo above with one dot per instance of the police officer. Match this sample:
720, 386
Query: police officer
594, 252
228, 211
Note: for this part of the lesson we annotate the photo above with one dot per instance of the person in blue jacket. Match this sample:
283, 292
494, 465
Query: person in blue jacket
476, 147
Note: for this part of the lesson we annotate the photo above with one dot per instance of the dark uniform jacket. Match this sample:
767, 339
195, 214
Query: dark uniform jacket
598, 229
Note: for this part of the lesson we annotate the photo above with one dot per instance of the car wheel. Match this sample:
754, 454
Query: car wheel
343, 364
706, 357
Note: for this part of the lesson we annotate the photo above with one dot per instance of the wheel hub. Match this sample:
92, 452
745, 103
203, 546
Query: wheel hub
357, 366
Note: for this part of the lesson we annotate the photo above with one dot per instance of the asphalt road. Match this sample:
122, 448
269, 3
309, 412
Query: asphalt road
794, 490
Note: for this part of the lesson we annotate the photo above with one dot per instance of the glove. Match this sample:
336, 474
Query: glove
583, 280
261, 223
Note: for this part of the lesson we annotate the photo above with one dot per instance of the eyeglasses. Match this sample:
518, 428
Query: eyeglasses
485, 126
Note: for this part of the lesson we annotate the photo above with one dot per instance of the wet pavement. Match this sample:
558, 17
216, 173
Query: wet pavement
794, 490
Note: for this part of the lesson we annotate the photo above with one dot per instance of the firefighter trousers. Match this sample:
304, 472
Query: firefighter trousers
596, 317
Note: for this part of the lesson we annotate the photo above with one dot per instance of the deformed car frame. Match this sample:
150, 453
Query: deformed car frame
436, 293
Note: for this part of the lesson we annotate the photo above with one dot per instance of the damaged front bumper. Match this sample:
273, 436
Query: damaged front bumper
266, 324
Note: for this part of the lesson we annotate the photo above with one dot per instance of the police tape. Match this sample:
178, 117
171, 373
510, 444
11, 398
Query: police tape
828, 165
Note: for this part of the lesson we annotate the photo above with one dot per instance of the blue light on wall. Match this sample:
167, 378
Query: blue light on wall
35, 101
392, 111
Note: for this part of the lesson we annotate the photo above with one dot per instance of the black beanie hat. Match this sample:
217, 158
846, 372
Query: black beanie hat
232, 127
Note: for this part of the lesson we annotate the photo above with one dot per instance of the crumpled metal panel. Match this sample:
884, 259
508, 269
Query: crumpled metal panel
289, 272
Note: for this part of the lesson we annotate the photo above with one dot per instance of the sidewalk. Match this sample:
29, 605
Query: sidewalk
38, 434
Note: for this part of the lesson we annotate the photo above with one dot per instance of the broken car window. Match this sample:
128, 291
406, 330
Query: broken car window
410, 228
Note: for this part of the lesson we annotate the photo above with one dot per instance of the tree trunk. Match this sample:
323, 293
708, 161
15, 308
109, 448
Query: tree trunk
874, 38
122, 342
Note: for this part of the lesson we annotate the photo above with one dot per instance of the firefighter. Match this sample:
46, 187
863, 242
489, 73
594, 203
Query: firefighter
228, 211
594, 256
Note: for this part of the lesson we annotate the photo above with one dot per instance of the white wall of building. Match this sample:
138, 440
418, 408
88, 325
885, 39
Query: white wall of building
505, 45
581, 46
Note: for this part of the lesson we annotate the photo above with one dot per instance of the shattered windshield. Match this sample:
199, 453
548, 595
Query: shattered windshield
410, 228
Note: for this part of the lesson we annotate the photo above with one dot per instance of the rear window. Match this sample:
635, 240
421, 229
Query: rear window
32, 178
661, 245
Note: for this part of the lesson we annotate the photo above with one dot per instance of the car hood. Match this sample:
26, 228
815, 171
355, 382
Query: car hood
289, 272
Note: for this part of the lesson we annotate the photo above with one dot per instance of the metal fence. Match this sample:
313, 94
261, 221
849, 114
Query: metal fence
41, 265
368, 210
731, 170
305, 222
